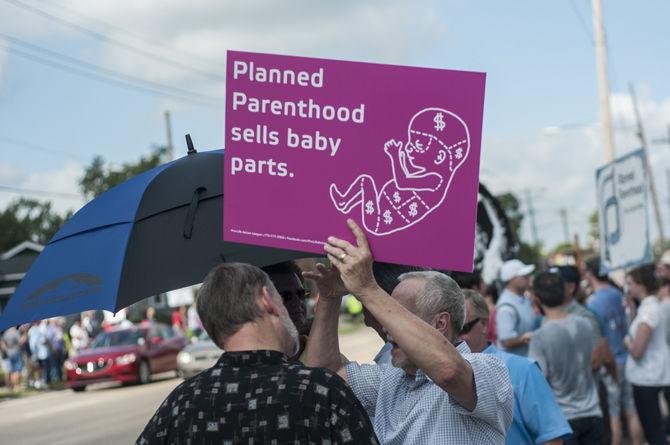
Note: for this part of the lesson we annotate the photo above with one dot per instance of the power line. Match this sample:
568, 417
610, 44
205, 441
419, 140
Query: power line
105, 79
582, 22
19, 190
106, 71
36, 147
134, 35
102, 37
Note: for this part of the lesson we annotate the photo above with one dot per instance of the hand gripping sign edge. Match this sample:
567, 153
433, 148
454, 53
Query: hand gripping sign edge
411, 195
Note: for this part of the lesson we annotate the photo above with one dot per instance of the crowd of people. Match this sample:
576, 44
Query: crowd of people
35, 351
34, 354
603, 348
559, 355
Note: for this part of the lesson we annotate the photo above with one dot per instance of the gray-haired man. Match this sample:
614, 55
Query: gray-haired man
437, 392
255, 393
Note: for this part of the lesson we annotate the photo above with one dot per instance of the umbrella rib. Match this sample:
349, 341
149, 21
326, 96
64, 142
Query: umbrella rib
92, 229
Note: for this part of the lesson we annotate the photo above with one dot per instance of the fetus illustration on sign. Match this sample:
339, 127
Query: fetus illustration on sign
423, 167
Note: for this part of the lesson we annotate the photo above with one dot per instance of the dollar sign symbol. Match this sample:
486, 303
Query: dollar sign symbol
369, 208
387, 217
396, 197
439, 122
412, 209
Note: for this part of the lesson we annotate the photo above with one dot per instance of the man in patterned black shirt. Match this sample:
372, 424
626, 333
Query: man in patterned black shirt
255, 394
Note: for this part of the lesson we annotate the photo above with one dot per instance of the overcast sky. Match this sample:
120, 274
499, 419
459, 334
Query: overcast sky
541, 111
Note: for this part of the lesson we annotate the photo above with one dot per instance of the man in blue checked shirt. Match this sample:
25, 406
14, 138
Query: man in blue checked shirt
537, 417
437, 391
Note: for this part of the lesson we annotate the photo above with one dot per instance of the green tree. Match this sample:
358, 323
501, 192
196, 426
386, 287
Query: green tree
528, 252
98, 178
28, 220
563, 246
31, 220
531, 253
512, 207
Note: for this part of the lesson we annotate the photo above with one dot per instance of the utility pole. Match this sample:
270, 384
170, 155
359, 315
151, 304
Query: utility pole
566, 228
667, 170
579, 256
603, 82
531, 213
652, 187
168, 128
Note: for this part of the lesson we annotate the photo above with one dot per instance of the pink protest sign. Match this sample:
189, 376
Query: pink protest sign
312, 142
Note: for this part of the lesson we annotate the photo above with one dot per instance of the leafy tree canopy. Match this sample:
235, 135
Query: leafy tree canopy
98, 178
28, 220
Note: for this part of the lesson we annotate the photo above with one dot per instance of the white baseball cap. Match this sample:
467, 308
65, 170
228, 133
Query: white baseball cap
515, 268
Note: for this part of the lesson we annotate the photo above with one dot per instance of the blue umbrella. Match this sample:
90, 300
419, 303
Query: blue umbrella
159, 231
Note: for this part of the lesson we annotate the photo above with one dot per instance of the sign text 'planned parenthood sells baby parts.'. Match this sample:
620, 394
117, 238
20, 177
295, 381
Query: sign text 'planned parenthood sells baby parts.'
312, 142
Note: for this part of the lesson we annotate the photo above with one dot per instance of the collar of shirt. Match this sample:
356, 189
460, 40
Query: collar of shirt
510, 294
252, 358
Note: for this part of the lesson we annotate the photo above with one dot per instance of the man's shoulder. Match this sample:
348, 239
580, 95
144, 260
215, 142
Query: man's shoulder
608, 292
579, 327
548, 328
184, 389
321, 376
514, 361
298, 368
580, 310
490, 362
581, 317
506, 297
387, 374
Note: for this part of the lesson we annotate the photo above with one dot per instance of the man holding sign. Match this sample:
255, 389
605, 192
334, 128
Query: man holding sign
437, 391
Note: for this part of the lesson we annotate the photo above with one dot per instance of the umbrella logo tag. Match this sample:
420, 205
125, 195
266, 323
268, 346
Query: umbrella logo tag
438, 142
67, 288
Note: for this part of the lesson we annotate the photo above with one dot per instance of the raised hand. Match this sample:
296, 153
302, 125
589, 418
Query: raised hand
327, 280
353, 262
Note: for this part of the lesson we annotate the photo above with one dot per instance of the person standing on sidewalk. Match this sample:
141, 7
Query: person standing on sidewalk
57, 345
563, 347
515, 315
648, 362
11, 345
537, 417
607, 301
40, 350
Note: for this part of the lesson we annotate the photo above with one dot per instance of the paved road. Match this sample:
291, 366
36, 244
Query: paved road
104, 414
111, 414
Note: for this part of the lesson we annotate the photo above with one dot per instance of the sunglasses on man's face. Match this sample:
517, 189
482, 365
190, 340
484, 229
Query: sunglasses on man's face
467, 327
294, 294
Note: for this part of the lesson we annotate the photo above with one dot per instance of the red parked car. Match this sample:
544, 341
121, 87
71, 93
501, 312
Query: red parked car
126, 355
